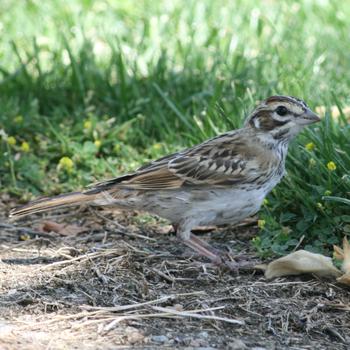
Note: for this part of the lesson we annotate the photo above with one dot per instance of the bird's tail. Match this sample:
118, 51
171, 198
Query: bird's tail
46, 203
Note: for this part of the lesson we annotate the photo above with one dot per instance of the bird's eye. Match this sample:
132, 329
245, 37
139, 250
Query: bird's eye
281, 110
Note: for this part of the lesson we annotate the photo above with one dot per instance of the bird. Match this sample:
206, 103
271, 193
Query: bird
220, 181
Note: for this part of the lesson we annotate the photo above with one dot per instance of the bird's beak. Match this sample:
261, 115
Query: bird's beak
309, 117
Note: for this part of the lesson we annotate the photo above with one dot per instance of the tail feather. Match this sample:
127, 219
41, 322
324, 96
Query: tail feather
47, 203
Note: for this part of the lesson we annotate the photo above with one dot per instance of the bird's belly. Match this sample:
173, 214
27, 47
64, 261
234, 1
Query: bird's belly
231, 206
203, 207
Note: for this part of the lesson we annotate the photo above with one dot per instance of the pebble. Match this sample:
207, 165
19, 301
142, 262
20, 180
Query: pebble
199, 348
237, 344
203, 334
199, 343
134, 335
160, 338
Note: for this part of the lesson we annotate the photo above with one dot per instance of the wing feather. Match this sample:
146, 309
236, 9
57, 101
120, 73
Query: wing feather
224, 160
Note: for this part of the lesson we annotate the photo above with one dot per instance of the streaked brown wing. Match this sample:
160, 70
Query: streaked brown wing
217, 162
202, 170
156, 179
203, 165
152, 176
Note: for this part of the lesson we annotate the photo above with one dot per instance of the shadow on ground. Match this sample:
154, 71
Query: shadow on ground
140, 288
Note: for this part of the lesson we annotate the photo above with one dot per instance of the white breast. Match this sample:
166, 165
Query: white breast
228, 206
206, 207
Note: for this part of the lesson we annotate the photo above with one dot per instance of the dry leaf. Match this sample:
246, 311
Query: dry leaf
301, 262
343, 254
346, 262
62, 229
50, 226
345, 279
338, 253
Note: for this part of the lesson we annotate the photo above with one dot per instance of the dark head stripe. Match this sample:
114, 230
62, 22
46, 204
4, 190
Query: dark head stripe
289, 99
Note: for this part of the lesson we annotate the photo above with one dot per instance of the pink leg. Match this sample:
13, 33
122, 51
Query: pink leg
204, 244
201, 247
205, 249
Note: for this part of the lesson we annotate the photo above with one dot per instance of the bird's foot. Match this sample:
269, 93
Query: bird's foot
218, 258
238, 264
204, 249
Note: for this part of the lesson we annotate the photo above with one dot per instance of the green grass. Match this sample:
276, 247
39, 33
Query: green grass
144, 78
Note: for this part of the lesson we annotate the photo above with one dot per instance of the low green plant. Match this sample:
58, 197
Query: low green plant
93, 89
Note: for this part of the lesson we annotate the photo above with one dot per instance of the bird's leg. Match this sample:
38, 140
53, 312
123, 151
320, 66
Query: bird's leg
218, 257
205, 249
202, 249
205, 244
198, 245
183, 232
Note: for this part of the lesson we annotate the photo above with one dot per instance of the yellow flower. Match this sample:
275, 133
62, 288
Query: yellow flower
312, 162
261, 224
25, 147
18, 119
331, 166
319, 206
117, 148
327, 193
66, 163
157, 146
87, 125
98, 143
310, 146
11, 141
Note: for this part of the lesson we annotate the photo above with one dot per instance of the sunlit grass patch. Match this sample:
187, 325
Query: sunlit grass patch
112, 85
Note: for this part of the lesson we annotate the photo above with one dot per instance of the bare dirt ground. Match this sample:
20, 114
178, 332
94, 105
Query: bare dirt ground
132, 285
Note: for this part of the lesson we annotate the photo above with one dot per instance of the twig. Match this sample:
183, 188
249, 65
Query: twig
138, 305
299, 243
80, 258
127, 307
163, 275
194, 314
100, 311
164, 312
116, 320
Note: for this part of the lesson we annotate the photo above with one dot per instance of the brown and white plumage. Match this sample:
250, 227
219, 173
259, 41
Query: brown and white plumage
222, 180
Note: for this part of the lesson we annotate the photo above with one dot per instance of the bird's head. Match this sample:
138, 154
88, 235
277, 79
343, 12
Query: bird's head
281, 117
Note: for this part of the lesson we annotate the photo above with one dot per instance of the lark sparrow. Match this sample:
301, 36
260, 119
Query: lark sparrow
222, 180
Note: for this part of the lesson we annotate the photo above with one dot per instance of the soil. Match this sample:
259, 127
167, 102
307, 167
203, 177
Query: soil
126, 282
